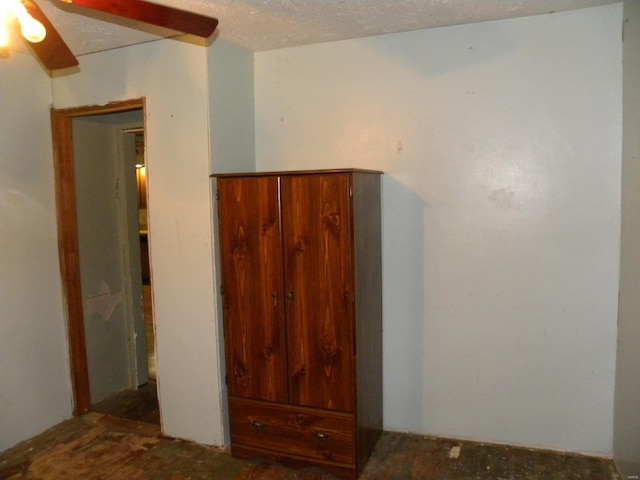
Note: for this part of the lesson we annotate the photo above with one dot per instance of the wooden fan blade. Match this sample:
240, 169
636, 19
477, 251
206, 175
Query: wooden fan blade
154, 14
52, 51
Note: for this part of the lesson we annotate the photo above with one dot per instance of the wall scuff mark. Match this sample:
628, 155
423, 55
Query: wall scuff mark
103, 303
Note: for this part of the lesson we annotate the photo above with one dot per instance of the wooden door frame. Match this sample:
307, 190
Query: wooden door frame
68, 250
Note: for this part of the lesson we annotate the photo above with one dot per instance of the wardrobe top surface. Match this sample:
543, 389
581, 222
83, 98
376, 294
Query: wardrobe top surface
295, 172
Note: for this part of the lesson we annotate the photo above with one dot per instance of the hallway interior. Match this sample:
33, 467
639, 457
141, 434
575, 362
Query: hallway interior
141, 404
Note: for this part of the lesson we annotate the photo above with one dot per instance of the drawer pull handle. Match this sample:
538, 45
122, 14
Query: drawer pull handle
321, 435
257, 424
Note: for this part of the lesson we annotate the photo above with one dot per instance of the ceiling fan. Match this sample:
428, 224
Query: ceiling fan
54, 53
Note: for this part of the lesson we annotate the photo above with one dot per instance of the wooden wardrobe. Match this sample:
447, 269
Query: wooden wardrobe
300, 256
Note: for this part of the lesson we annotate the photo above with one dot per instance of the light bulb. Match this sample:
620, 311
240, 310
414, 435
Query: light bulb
4, 36
32, 29
5, 11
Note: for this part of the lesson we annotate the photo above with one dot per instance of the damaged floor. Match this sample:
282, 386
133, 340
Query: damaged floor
103, 447
141, 404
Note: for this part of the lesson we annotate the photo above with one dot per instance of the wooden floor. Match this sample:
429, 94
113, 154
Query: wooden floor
103, 447
140, 405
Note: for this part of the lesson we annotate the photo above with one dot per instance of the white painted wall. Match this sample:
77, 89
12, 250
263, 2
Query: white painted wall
172, 76
231, 107
231, 110
626, 436
501, 147
35, 384
500, 217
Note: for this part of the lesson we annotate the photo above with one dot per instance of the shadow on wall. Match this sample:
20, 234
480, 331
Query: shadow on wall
403, 247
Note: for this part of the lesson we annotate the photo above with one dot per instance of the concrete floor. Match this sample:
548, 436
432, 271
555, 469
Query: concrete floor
103, 447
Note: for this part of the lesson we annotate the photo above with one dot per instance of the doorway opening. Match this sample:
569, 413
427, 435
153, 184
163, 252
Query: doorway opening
143, 227
103, 239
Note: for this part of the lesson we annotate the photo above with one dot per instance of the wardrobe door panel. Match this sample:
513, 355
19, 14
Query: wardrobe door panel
250, 246
319, 290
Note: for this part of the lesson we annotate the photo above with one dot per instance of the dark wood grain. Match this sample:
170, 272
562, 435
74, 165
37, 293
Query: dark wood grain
62, 133
319, 286
52, 52
61, 125
253, 305
326, 264
313, 433
155, 14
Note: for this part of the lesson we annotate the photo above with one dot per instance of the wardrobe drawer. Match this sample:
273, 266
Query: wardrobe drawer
298, 431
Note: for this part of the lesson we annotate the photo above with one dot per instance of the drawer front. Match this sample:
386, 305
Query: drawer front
299, 431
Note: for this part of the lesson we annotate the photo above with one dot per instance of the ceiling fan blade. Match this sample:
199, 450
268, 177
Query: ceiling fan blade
52, 51
154, 14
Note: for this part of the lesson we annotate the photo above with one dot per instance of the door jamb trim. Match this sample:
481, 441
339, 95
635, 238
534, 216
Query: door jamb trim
68, 250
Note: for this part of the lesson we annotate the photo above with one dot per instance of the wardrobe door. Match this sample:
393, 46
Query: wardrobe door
319, 290
250, 246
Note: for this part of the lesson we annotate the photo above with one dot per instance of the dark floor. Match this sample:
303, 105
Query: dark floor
101, 446
140, 404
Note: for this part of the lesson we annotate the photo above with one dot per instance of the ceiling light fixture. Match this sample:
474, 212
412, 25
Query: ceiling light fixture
32, 30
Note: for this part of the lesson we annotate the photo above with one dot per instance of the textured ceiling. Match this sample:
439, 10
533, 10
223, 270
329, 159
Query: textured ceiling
269, 24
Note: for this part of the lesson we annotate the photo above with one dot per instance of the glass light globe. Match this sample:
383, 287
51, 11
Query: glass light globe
32, 29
